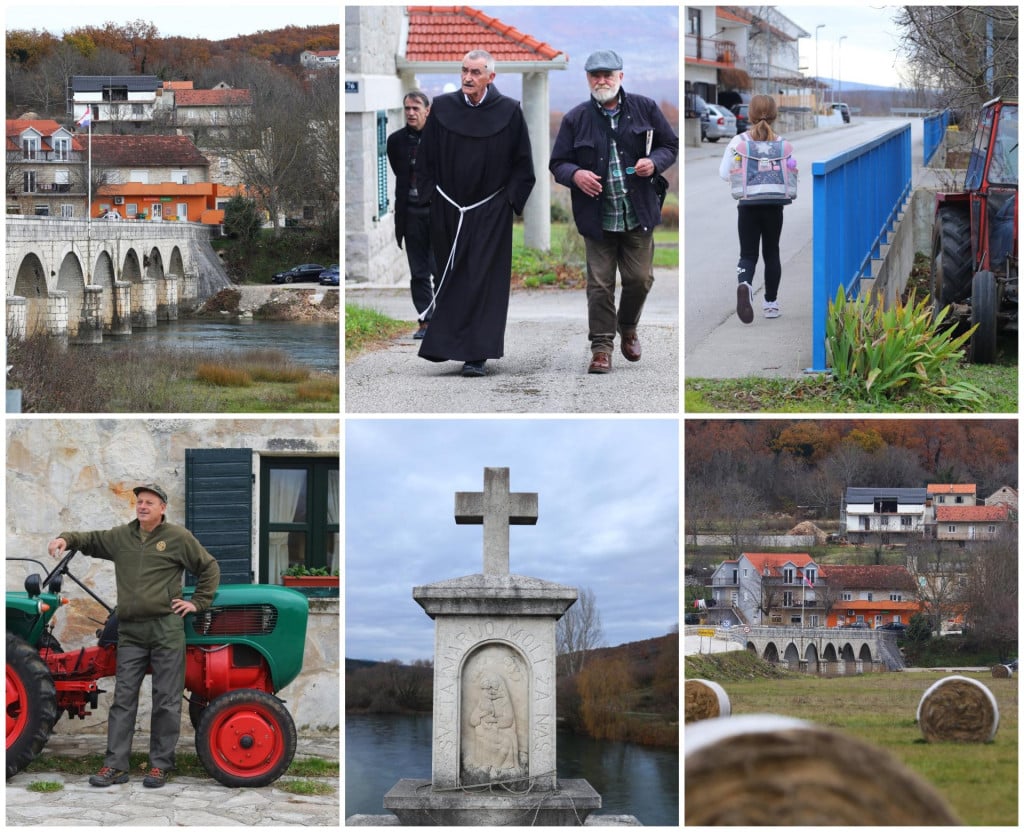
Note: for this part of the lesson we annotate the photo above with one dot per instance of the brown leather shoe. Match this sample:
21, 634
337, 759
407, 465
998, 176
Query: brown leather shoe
630, 345
600, 363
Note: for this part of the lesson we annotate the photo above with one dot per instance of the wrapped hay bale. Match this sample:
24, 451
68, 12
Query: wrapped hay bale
958, 709
706, 700
767, 770
1002, 671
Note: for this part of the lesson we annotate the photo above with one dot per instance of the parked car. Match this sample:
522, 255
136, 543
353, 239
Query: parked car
844, 111
307, 271
742, 113
329, 276
894, 625
721, 123
856, 625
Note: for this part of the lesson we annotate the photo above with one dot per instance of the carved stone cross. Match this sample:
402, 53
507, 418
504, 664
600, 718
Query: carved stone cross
496, 508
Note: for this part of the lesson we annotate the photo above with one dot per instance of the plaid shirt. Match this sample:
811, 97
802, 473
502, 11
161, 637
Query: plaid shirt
617, 212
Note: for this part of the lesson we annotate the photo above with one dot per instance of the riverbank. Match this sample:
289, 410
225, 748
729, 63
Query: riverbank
274, 303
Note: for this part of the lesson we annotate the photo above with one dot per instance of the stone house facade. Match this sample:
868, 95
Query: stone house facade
260, 494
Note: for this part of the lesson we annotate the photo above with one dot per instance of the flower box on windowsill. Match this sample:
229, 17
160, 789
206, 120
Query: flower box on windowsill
309, 580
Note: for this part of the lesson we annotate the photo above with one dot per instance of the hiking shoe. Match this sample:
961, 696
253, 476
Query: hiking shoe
474, 369
771, 309
156, 778
108, 776
744, 300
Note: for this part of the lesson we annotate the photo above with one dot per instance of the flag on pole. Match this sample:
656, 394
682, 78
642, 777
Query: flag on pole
86, 118
808, 582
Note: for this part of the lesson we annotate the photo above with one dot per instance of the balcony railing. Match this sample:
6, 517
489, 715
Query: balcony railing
708, 49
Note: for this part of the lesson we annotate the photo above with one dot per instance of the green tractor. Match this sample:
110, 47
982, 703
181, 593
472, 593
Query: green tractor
974, 236
239, 654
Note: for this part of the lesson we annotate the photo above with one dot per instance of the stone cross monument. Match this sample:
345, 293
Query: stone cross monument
493, 761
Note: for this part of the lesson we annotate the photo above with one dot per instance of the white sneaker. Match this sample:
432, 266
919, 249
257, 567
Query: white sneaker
771, 309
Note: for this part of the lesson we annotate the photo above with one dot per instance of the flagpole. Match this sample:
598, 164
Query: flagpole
88, 204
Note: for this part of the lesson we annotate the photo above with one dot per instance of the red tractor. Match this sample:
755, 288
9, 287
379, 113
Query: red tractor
974, 237
239, 653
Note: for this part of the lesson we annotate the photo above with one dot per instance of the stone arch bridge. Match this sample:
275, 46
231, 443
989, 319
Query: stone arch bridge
825, 650
81, 279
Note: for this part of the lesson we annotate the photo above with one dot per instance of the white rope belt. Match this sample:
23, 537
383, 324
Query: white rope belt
451, 255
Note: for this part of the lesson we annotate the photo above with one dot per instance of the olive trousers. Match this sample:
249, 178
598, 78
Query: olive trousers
158, 643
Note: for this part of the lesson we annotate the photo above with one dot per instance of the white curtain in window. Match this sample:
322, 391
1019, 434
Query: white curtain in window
286, 489
333, 510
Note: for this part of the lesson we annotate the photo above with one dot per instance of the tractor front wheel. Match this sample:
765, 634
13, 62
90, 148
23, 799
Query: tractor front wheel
246, 738
984, 313
31, 704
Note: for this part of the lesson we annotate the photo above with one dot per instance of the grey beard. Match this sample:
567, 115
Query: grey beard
603, 96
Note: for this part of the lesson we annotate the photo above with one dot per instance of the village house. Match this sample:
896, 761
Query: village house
883, 516
874, 595
970, 523
1005, 495
155, 178
952, 494
208, 112
793, 590
46, 169
320, 59
117, 103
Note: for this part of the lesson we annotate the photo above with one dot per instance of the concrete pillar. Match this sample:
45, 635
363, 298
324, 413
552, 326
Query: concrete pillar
537, 215
121, 313
144, 303
17, 317
90, 324
167, 298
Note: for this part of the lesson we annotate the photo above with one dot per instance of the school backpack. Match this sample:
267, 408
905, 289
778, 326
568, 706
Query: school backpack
763, 172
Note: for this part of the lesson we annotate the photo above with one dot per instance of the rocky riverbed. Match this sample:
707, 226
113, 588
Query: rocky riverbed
273, 303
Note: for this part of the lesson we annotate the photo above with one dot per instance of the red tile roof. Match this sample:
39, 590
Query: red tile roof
868, 577
447, 33
44, 126
952, 488
142, 151
212, 98
968, 514
774, 563
177, 85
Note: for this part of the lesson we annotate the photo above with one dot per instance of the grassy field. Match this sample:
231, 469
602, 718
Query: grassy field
978, 780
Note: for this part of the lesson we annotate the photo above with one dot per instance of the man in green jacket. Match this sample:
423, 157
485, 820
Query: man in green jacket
149, 556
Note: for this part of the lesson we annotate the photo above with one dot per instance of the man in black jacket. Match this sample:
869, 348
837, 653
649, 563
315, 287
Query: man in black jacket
412, 206
610, 152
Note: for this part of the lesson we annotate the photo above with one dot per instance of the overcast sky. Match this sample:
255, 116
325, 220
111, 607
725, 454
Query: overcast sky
867, 56
186, 18
608, 519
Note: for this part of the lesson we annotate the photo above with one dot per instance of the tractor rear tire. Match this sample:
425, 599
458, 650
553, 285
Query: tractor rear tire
31, 704
246, 738
951, 257
984, 313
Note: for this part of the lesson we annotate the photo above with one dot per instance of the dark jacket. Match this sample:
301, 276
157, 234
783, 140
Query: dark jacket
148, 574
582, 142
398, 158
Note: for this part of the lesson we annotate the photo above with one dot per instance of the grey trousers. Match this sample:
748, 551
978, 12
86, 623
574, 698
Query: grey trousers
141, 646
632, 253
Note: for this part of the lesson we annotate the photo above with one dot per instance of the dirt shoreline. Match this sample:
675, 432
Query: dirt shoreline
277, 303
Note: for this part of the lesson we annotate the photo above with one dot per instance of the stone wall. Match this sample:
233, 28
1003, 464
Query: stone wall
66, 475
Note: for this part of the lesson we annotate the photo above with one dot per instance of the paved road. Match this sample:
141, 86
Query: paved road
717, 344
184, 801
545, 365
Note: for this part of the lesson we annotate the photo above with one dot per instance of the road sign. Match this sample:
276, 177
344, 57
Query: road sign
706, 631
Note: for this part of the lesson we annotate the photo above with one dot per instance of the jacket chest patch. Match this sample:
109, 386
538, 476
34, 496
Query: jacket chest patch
161, 546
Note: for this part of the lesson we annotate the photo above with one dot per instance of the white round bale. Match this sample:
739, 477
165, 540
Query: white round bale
706, 700
958, 709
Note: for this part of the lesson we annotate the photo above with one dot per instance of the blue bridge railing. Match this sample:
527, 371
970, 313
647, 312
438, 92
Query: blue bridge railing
858, 195
934, 131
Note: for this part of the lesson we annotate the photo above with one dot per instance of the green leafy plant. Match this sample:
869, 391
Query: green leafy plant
300, 570
880, 353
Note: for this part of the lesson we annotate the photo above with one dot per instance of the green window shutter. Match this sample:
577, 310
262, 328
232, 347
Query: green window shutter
382, 163
218, 508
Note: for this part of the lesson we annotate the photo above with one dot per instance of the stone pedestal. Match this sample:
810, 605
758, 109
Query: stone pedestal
494, 759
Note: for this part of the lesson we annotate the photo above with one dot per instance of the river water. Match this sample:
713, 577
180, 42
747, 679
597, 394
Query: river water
314, 344
631, 779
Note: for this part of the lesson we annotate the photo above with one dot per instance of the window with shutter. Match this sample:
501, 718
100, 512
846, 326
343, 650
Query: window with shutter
218, 508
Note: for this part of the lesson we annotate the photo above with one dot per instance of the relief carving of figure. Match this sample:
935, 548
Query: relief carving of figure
492, 752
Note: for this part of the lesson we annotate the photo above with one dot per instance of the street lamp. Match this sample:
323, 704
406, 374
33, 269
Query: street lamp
817, 65
841, 39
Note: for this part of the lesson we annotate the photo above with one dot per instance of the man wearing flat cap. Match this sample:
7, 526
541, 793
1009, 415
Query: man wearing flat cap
149, 556
610, 152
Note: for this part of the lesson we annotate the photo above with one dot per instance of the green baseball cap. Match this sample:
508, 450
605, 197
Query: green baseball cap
152, 487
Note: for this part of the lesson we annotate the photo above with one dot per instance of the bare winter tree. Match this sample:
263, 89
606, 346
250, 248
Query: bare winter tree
578, 631
937, 571
967, 52
990, 593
